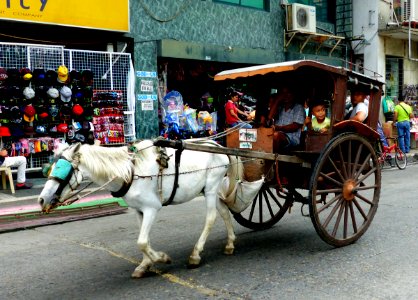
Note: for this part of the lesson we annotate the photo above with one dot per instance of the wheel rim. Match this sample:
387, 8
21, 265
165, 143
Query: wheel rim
266, 210
345, 189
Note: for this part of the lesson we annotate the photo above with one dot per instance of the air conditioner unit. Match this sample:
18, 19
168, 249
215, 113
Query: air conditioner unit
409, 10
301, 17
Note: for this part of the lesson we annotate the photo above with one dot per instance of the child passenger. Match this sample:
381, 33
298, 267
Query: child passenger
320, 122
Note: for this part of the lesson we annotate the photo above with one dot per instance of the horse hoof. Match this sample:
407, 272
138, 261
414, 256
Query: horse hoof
137, 274
166, 259
229, 251
194, 262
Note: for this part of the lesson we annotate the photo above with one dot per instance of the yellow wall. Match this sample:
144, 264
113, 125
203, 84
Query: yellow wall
99, 14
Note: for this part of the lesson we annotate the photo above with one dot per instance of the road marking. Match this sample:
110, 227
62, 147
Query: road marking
168, 276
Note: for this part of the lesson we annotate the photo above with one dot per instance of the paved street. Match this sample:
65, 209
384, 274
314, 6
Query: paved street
93, 259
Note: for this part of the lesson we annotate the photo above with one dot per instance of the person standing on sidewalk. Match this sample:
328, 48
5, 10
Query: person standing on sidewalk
20, 163
402, 118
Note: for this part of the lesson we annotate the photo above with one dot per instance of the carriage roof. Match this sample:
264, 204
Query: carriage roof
292, 66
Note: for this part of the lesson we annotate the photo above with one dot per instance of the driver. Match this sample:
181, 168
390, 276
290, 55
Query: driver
290, 117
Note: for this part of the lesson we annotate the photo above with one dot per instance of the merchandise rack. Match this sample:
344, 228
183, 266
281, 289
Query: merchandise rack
111, 72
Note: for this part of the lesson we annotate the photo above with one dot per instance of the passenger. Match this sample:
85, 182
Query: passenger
267, 119
320, 122
289, 123
231, 112
360, 109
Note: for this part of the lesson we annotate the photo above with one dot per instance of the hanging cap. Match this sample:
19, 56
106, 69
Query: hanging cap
4, 131
62, 74
78, 110
29, 93
65, 94
53, 93
29, 113
26, 74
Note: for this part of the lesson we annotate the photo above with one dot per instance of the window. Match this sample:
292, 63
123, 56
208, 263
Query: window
259, 4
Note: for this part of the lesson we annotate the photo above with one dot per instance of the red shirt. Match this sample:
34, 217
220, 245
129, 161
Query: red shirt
229, 118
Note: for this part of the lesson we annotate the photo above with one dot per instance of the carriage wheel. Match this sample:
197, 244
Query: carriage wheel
345, 190
266, 209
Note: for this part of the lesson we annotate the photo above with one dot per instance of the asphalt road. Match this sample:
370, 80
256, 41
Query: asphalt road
93, 259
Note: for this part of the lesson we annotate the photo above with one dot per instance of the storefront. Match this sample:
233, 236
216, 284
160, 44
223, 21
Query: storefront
50, 93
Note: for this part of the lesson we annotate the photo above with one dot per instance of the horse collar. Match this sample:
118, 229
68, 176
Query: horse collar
125, 187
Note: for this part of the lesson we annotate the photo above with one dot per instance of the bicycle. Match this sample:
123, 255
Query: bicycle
385, 154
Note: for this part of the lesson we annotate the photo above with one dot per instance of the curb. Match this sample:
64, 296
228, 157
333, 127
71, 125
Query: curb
29, 216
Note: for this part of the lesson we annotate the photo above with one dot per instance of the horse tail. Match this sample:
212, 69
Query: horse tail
234, 176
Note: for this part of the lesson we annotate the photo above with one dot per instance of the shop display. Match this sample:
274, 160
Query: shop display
108, 118
181, 121
38, 107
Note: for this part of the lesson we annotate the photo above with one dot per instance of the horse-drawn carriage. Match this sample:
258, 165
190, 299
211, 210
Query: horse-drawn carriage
339, 169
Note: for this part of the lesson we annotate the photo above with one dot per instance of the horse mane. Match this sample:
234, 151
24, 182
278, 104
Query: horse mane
107, 162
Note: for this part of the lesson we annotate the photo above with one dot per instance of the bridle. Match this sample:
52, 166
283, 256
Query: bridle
63, 171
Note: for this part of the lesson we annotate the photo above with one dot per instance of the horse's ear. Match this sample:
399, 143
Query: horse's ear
69, 154
77, 147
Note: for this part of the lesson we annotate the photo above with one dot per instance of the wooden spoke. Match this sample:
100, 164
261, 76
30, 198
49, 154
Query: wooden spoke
353, 217
332, 179
364, 199
336, 169
331, 202
342, 162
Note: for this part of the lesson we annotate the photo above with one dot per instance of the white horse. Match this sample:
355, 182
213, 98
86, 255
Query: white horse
199, 172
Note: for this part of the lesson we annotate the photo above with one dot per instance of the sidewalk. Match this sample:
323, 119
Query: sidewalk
21, 210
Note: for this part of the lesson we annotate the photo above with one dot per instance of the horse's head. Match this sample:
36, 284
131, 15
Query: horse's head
63, 177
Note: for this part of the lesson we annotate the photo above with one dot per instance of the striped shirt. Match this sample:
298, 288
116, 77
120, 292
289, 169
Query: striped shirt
295, 114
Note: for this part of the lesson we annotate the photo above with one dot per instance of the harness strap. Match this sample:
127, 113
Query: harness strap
125, 187
176, 175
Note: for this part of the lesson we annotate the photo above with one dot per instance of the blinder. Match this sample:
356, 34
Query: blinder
62, 173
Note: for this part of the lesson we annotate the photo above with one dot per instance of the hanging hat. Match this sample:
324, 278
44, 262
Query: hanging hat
3, 76
51, 77
41, 129
13, 76
77, 126
62, 74
15, 114
26, 74
78, 110
28, 130
65, 112
65, 93
38, 77
4, 131
63, 128
53, 110
87, 77
53, 93
29, 113
77, 94
75, 77
29, 93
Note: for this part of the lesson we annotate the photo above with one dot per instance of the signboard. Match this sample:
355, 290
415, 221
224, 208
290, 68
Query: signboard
98, 14
146, 74
140, 97
147, 105
147, 86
